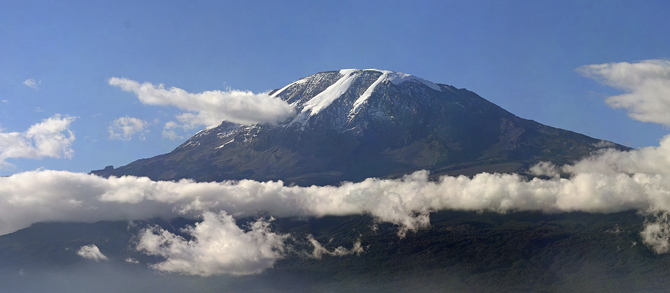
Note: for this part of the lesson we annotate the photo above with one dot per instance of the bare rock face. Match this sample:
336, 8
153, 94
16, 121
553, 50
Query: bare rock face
354, 124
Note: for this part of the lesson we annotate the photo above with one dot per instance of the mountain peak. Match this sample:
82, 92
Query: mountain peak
347, 90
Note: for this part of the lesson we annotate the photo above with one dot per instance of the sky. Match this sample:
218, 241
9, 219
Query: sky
71, 72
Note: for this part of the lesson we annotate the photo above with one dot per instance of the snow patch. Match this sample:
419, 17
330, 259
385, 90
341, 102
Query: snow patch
398, 78
224, 144
328, 96
300, 81
364, 97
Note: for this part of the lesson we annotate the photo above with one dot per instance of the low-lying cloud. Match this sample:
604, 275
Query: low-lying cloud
38, 196
49, 138
209, 108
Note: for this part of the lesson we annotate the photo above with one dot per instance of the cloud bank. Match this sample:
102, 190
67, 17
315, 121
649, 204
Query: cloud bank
646, 83
49, 138
124, 128
209, 108
38, 196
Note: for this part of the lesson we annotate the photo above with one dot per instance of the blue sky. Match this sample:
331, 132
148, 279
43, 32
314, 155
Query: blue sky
58, 58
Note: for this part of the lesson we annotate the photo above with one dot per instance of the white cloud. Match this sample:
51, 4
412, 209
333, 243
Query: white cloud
132, 260
648, 160
49, 138
124, 128
209, 108
646, 83
545, 169
319, 250
218, 247
91, 252
168, 131
31, 83
37, 196
656, 233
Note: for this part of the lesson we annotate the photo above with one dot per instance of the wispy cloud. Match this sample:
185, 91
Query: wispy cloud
124, 128
646, 83
31, 83
209, 108
168, 131
320, 251
49, 138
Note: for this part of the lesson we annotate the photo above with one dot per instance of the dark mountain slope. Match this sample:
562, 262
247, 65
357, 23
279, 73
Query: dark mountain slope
462, 252
355, 124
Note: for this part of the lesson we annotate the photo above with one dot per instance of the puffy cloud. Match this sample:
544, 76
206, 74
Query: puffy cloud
218, 247
30, 83
124, 128
648, 160
210, 108
656, 233
91, 252
545, 169
49, 138
39, 196
646, 83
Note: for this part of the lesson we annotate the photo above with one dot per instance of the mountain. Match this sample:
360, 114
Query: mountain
350, 125
354, 124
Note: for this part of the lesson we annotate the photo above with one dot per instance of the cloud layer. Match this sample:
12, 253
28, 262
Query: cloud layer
209, 108
49, 138
37, 196
646, 83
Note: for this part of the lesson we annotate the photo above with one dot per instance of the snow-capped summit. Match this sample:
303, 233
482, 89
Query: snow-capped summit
353, 124
339, 86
